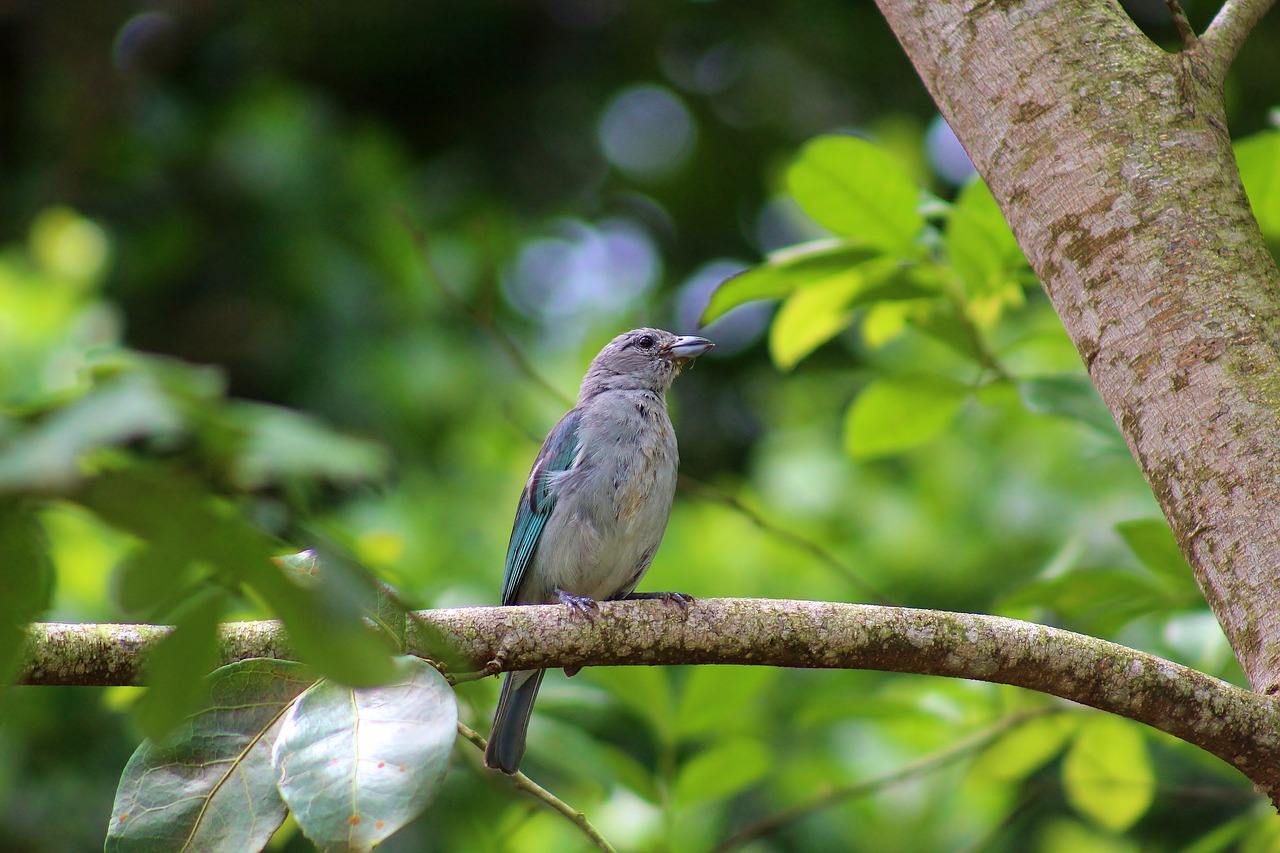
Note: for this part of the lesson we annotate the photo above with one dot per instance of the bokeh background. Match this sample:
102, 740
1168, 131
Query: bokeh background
361, 211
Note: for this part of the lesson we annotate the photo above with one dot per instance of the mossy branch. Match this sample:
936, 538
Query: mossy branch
1240, 727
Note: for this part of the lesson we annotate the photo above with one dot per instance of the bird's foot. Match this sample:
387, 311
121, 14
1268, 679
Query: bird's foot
583, 605
678, 600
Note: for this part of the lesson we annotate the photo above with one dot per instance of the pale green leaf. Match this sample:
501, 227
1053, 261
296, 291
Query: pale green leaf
1107, 773
898, 413
857, 190
979, 243
784, 271
821, 309
812, 316
356, 765
211, 787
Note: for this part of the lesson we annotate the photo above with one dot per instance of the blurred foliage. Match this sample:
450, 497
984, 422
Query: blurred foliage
338, 205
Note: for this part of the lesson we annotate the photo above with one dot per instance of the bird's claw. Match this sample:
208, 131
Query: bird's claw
583, 605
678, 600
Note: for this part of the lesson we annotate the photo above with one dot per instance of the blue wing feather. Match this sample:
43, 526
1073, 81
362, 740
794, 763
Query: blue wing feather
538, 500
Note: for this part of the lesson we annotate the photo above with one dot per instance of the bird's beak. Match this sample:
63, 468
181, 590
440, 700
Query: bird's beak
687, 348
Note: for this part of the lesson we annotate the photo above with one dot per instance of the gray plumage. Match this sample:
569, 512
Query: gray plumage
596, 503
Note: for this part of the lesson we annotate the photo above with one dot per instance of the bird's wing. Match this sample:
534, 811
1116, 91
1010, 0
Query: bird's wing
558, 454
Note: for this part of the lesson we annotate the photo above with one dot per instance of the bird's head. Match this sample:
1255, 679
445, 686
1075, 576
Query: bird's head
641, 360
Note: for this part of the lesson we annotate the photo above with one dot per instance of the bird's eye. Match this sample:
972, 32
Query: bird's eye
646, 342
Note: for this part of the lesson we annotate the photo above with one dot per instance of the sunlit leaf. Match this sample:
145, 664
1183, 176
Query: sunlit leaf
1107, 773
721, 771
356, 765
858, 190
898, 413
818, 311
26, 580
211, 787
178, 664
1069, 397
784, 271
1024, 749
1258, 157
978, 241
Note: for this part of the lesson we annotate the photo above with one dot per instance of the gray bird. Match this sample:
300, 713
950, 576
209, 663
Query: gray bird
596, 503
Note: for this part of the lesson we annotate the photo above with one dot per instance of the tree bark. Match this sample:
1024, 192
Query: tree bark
1110, 159
1238, 726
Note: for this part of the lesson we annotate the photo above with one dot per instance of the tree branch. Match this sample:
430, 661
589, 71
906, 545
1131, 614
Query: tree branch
1238, 726
1180, 22
1221, 42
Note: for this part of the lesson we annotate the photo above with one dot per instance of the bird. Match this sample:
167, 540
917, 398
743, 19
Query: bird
595, 505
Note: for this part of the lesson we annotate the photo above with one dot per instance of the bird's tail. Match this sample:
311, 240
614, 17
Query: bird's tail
511, 720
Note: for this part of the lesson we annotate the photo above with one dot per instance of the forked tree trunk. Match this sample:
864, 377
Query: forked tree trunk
1110, 158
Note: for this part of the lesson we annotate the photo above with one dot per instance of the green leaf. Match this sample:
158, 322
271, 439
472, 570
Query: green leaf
978, 241
645, 690
721, 771
944, 321
1023, 750
148, 578
212, 786
818, 311
1069, 397
282, 444
47, 455
898, 413
26, 579
1152, 542
1107, 773
784, 271
576, 754
857, 190
177, 666
1100, 600
1258, 157
357, 765
325, 619
715, 699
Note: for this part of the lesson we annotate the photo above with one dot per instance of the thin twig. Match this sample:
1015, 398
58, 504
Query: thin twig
936, 761
1227, 33
1180, 21
708, 492
524, 783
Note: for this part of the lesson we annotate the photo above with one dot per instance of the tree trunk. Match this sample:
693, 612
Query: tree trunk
1110, 159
